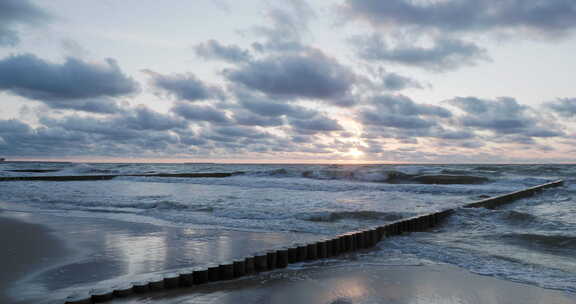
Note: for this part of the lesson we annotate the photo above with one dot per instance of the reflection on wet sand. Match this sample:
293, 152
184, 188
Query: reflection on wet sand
362, 284
139, 254
105, 253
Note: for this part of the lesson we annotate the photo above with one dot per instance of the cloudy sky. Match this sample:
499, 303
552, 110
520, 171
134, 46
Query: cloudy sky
288, 81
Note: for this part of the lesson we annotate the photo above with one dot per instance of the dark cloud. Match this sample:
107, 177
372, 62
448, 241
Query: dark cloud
403, 105
20, 140
136, 131
183, 86
307, 75
99, 105
267, 107
397, 82
249, 119
443, 55
503, 116
125, 124
241, 131
565, 107
317, 125
142, 118
455, 135
189, 139
300, 139
74, 84
13, 126
29, 76
201, 113
375, 78
101, 128
550, 16
399, 117
395, 120
14, 14
212, 49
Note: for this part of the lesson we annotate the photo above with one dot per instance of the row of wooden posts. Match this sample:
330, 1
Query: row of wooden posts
281, 258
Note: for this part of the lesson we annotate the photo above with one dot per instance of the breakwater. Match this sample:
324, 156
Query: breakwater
63, 178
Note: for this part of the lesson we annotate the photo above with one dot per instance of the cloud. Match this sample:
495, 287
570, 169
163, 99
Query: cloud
212, 49
127, 123
403, 105
565, 107
136, 131
101, 105
74, 84
250, 119
308, 75
241, 131
266, 107
14, 14
201, 113
13, 126
189, 139
503, 116
142, 118
554, 17
444, 54
29, 76
316, 125
399, 117
285, 27
394, 120
183, 86
455, 134
20, 139
103, 128
397, 82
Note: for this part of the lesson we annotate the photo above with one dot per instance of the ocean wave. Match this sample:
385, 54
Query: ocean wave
517, 217
82, 168
484, 258
379, 175
487, 220
544, 242
358, 215
121, 206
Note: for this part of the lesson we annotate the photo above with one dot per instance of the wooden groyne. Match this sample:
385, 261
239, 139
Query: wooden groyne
281, 257
493, 202
64, 178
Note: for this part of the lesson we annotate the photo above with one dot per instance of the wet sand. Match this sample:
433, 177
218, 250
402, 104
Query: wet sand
363, 284
55, 256
48, 257
25, 249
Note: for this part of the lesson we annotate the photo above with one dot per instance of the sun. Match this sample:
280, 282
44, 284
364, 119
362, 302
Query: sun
354, 153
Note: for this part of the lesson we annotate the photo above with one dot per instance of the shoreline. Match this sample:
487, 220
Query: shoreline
61, 255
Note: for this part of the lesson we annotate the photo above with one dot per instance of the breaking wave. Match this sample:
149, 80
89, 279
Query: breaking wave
359, 215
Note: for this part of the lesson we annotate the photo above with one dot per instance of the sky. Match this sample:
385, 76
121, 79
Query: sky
328, 81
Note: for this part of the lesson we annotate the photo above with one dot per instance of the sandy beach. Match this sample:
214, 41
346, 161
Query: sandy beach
364, 284
27, 248
49, 257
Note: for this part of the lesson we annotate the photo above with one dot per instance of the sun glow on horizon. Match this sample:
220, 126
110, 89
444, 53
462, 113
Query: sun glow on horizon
355, 153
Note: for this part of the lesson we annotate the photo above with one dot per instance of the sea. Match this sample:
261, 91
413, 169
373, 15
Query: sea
531, 241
